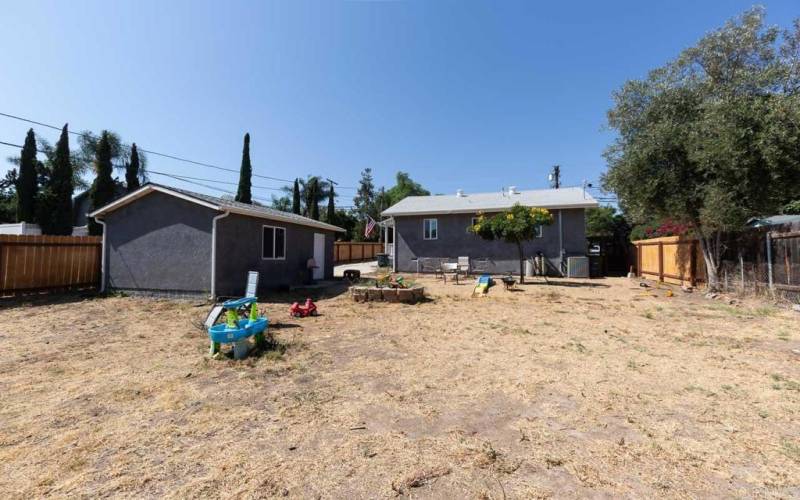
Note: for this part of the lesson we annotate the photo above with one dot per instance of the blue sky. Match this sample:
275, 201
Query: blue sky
472, 95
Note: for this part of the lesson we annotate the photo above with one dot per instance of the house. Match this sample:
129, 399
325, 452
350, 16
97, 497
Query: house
165, 240
437, 227
775, 220
82, 204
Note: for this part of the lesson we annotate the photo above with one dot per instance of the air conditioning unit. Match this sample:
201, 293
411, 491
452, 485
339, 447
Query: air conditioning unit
577, 267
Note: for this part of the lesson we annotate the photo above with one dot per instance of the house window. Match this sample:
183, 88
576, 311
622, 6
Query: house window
273, 243
430, 229
538, 232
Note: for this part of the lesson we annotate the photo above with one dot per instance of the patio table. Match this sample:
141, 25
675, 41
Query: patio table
450, 267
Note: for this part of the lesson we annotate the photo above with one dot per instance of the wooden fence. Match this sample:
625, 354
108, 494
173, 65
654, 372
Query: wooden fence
349, 251
754, 261
31, 264
672, 259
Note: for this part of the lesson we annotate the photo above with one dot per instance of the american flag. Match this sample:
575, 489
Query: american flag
369, 227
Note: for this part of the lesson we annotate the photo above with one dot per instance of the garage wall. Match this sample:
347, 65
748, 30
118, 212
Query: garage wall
159, 243
239, 240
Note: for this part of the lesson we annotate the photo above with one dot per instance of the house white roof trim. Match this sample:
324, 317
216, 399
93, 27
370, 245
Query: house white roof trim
571, 197
209, 202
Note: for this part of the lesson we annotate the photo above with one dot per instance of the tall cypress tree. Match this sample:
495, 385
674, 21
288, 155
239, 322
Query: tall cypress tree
55, 208
132, 170
245, 173
102, 192
331, 215
27, 185
296, 198
312, 198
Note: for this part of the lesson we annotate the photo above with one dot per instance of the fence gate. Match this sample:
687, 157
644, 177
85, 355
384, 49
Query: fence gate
785, 261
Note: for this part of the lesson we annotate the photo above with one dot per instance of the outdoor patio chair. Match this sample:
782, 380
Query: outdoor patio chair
450, 268
429, 265
463, 265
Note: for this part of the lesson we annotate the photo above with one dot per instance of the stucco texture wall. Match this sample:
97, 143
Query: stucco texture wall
239, 250
454, 240
159, 243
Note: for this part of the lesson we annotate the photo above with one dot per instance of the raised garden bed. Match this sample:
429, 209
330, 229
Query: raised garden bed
374, 294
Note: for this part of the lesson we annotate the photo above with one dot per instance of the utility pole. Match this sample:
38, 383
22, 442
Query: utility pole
586, 185
555, 177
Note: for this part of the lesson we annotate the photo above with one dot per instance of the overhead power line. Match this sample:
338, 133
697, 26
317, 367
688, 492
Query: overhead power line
155, 153
149, 171
179, 178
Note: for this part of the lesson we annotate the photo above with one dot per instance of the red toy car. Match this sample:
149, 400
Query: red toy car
301, 311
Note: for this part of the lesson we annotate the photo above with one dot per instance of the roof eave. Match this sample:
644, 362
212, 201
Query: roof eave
278, 217
143, 191
473, 210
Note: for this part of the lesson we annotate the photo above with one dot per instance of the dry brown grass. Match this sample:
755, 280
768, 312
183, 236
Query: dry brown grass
554, 390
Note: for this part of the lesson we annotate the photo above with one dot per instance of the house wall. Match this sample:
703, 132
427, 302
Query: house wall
239, 250
454, 240
159, 243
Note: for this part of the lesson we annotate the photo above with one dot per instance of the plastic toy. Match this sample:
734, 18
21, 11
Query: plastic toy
482, 285
235, 330
301, 311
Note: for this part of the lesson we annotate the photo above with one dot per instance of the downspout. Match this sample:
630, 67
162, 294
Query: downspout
102, 256
214, 253
560, 244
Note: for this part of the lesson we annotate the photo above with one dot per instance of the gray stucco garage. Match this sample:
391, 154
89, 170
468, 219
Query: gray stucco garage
161, 239
435, 227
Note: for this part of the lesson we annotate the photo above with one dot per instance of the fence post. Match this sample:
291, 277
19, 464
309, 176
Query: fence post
769, 263
639, 260
741, 269
693, 264
661, 261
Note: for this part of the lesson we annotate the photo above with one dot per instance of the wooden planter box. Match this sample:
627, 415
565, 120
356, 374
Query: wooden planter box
373, 294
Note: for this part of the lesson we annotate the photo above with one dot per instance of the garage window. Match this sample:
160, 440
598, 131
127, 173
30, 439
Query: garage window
273, 243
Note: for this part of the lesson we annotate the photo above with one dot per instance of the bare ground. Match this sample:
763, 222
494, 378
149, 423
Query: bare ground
574, 389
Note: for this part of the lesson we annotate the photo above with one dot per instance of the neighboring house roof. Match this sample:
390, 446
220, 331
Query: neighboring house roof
571, 197
81, 202
216, 203
775, 220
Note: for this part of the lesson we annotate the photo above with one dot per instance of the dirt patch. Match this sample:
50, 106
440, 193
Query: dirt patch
571, 389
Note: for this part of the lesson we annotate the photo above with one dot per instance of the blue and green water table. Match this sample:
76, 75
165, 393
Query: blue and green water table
234, 330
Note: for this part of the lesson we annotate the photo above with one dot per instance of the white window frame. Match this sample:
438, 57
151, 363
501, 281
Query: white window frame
472, 223
273, 242
436, 223
539, 231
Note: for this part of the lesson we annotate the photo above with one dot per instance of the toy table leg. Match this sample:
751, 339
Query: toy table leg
214, 348
259, 338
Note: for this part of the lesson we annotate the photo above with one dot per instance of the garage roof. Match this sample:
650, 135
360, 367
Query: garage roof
215, 203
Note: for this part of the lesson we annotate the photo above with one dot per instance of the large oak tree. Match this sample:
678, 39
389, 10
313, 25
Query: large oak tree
713, 137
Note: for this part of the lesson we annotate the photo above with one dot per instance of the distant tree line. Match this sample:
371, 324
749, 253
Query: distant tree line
40, 188
305, 196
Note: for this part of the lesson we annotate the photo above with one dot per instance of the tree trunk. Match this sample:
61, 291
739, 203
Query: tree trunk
711, 246
521, 264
